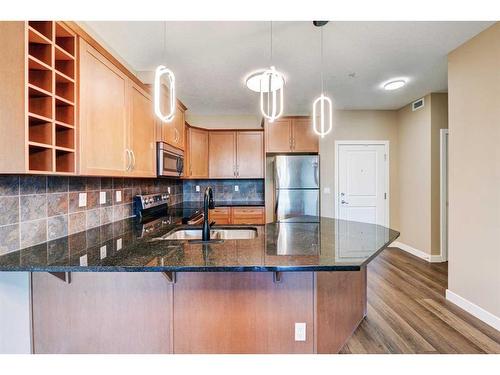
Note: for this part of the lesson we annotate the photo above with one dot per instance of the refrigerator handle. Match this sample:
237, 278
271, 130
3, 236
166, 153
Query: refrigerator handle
316, 172
276, 190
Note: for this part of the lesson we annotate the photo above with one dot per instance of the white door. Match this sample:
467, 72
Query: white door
362, 181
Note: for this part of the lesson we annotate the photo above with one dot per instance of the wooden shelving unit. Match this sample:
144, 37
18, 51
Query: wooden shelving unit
51, 97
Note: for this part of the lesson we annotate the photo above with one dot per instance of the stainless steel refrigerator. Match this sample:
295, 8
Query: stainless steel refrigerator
296, 184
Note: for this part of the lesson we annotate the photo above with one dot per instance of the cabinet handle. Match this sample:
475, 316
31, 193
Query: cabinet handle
133, 160
129, 159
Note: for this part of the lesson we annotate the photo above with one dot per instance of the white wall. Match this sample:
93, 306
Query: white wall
15, 330
224, 122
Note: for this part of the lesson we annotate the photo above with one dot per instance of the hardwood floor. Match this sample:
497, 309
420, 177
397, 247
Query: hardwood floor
408, 312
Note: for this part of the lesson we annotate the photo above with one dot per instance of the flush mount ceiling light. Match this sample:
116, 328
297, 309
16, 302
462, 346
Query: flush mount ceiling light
394, 84
161, 71
271, 87
324, 124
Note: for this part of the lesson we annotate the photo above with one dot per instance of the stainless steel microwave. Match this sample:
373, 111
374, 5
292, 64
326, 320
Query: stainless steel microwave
170, 160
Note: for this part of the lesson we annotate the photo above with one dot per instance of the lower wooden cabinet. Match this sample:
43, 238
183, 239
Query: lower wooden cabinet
221, 215
248, 215
237, 215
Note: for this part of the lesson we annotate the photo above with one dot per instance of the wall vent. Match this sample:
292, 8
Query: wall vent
417, 104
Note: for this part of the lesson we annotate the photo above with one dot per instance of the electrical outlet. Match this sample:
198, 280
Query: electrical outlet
326, 190
236, 188
83, 261
300, 331
103, 251
168, 189
82, 199
102, 197
118, 196
197, 188
118, 244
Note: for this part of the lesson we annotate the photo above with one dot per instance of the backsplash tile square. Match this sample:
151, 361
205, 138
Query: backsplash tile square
37, 208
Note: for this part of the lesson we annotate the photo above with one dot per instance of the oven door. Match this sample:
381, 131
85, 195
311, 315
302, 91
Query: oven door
170, 161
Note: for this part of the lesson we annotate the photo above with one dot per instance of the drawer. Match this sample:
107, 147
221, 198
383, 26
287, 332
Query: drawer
221, 215
248, 215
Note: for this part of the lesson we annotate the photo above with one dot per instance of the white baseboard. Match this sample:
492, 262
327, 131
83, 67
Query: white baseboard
418, 253
474, 309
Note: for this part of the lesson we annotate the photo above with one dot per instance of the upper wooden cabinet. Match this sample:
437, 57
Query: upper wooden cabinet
291, 134
236, 154
249, 154
222, 154
37, 95
117, 135
103, 115
142, 133
196, 153
173, 132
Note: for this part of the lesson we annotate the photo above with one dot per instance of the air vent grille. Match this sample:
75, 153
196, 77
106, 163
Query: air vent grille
417, 104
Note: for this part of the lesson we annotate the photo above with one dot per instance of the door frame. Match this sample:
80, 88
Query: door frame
384, 143
443, 193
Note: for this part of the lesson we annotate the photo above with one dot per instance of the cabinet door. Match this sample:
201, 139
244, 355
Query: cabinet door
142, 133
304, 139
250, 155
178, 129
168, 129
278, 135
197, 154
222, 154
221, 215
248, 215
103, 115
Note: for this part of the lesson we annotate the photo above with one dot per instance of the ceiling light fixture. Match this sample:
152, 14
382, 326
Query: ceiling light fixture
271, 87
253, 82
161, 71
325, 123
394, 84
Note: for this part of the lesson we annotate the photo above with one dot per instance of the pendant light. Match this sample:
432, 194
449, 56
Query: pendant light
160, 71
271, 82
323, 103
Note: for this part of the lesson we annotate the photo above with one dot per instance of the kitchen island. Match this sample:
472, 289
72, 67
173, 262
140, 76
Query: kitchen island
120, 289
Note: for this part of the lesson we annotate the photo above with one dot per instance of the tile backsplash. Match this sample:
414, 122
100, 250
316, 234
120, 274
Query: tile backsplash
224, 190
36, 209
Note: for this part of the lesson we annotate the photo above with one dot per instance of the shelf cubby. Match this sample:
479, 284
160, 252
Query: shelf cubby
42, 52
65, 113
65, 137
43, 27
35, 36
66, 68
39, 131
65, 161
66, 90
41, 105
41, 79
40, 158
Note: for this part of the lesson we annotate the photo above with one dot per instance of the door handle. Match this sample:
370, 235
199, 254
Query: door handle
344, 202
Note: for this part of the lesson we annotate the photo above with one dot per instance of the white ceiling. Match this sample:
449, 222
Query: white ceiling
211, 59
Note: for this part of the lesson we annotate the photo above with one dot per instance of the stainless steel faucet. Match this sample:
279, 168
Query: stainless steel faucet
208, 204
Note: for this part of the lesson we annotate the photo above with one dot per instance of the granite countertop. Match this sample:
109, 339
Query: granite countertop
330, 245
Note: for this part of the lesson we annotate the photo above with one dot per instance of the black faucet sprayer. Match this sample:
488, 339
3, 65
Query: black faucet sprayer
208, 203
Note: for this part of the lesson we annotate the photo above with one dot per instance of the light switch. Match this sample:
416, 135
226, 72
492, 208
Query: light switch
300, 331
82, 199
197, 188
103, 251
236, 188
83, 261
118, 244
102, 197
168, 189
118, 197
